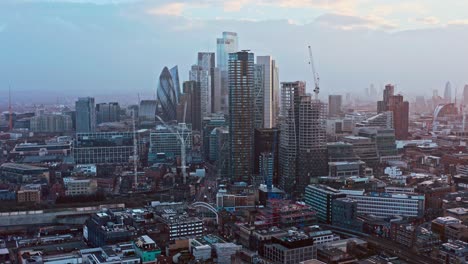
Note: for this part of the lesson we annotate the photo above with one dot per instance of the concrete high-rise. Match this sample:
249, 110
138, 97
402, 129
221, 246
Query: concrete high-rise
291, 93
206, 60
400, 109
334, 105
312, 151
448, 93
85, 114
241, 118
225, 45
270, 90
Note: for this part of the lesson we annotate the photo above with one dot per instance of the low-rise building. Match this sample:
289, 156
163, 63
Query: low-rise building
29, 193
319, 198
291, 248
75, 187
146, 249
387, 204
452, 252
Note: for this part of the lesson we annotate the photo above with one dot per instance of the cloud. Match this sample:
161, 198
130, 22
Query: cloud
458, 22
171, 9
431, 20
348, 22
235, 5
96, 2
2, 27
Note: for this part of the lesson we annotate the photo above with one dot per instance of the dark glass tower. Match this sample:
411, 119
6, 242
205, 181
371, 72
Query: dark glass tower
241, 115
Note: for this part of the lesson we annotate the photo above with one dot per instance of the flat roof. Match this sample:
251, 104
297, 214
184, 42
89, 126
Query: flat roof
19, 166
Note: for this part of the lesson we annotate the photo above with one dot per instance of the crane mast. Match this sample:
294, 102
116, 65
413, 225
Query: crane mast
315, 74
135, 153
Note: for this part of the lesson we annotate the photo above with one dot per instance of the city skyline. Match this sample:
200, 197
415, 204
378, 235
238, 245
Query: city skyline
125, 44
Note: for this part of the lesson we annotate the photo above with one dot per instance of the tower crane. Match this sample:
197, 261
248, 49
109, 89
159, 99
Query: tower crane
315, 74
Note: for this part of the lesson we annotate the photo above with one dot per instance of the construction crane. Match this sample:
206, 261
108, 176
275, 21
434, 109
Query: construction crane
135, 152
315, 74
182, 141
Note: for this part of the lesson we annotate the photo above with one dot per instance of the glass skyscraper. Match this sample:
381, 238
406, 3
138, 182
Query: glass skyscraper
167, 93
225, 45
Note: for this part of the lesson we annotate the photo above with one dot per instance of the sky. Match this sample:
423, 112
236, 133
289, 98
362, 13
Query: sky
56, 50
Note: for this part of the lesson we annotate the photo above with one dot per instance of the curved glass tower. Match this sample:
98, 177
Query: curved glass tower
167, 96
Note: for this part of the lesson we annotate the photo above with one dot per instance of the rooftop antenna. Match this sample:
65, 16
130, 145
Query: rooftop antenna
10, 111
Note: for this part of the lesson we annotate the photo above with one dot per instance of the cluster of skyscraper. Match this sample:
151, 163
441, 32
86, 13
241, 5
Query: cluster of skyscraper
246, 90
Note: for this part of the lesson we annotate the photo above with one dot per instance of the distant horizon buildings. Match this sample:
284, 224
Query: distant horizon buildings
85, 114
400, 109
107, 112
334, 105
465, 95
448, 93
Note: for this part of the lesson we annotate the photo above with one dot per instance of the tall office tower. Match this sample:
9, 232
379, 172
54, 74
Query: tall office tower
167, 95
192, 97
334, 105
270, 90
259, 91
225, 45
107, 112
389, 91
465, 95
400, 111
312, 151
399, 108
206, 60
198, 74
448, 93
85, 115
291, 93
241, 118
276, 93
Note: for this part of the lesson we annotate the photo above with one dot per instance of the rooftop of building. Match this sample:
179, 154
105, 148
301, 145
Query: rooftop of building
324, 188
22, 167
446, 220
458, 211
456, 245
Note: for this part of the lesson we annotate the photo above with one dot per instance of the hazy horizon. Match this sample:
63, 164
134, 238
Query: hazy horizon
53, 49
